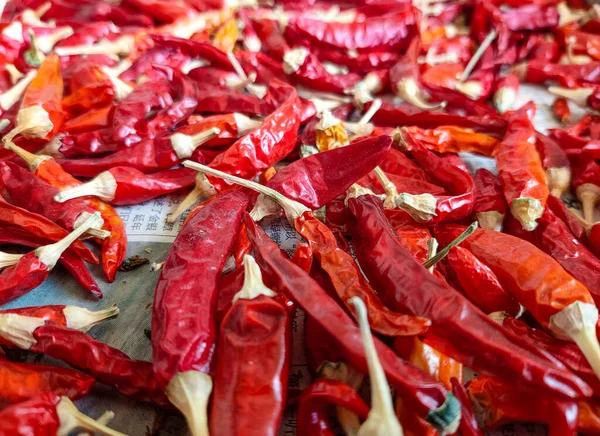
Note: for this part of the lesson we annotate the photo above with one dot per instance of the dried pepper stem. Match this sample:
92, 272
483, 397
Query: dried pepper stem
477, 55
432, 246
102, 186
588, 194
8, 259
120, 47
11, 96
382, 420
577, 96
577, 322
189, 391
71, 418
32, 160
444, 251
82, 319
253, 284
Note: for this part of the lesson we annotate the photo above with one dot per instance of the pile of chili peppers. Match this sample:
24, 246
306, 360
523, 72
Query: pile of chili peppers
349, 120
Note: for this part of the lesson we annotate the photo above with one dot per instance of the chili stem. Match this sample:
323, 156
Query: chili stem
103, 186
444, 251
237, 67
382, 420
578, 96
293, 209
32, 122
47, 42
104, 419
122, 46
253, 282
432, 247
184, 145
8, 259
82, 319
490, 220
32, 160
189, 391
375, 106
157, 266
588, 194
11, 96
202, 190
70, 419
409, 90
18, 329
477, 55
33, 55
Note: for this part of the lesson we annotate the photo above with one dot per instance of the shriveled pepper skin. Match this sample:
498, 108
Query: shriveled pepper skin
27, 274
35, 417
184, 311
394, 273
488, 194
23, 381
252, 364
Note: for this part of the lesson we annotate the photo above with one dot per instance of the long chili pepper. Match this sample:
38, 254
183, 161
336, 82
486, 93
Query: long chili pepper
520, 171
32, 269
343, 272
556, 163
489, 205
255, 326
24, 222
24, 381
46, 414
554, 238
183, 344
451, 139
566, 352
395, 273
123, 185
26, 190
426, 397
107, 365
468, 423
561, 304
570, 75
40, 114
502, 403
69, 259
479, 283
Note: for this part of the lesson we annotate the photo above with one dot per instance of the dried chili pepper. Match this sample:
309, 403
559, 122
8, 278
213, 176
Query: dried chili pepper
33, 268
47, 414
24, 381
556, 163
410, 383
506, 92
258, 316
520, 171
489, 204
586, 182
570, 75
187, 365
561, 110
392, 270
93, 120
450, 139
554, 298
40, 114
468, 423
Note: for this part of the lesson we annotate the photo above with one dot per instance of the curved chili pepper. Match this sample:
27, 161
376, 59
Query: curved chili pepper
69, 259
24, 381
194, 49
183, 344
394, 272
425, 394
489, 205
21, 220
480, 284
520, 171
256, 325
92, 120
396, 162
450, 139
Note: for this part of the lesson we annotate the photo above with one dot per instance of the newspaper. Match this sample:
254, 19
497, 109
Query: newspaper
150, 236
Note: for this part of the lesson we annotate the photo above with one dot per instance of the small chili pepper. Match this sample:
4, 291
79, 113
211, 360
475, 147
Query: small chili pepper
567, 353
561, 110
480, 284
422, 393
506, 92
554, 298
47, 414
24, 222
556, 163
450, 139
392, 270
187, 365
503, 403
489, 204
32, 193
520, 171
107, 365
255, 309
124, 186
40, 114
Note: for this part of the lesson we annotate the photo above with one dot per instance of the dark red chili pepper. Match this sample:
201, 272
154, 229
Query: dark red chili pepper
144, 64
24, 381
194, 49
556, 163
489, 205
570, 75
272, 40
424, 393
392, 270
183, 342
255, 326
530, 17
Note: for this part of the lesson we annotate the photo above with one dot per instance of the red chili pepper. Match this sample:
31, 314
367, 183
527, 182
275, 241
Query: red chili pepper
255, 326
561, 110
560, 210
45, 415
531, 17
425, 394
392, 271
92, 120
69, 259
207, 76
489, 205
33, 268
396, 162
194, 49
229, 285
361, 63
450, 139
144, 64
24, 381
556, 163
271, 38
183, 345
570, 75
23, 222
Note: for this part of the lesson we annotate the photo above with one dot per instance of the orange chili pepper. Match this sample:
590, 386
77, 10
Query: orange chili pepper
90, 120
452, 139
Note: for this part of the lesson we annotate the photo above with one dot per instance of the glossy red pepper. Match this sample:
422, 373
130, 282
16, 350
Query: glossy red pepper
393, 271
555, 162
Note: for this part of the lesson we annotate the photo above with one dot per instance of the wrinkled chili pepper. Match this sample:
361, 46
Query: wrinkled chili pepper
392, 270
411, 383
24, 381
255, 309
570, 75
561, 110
556, 164
468, 423
450, 139
489, 205
201, 246
92, 120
